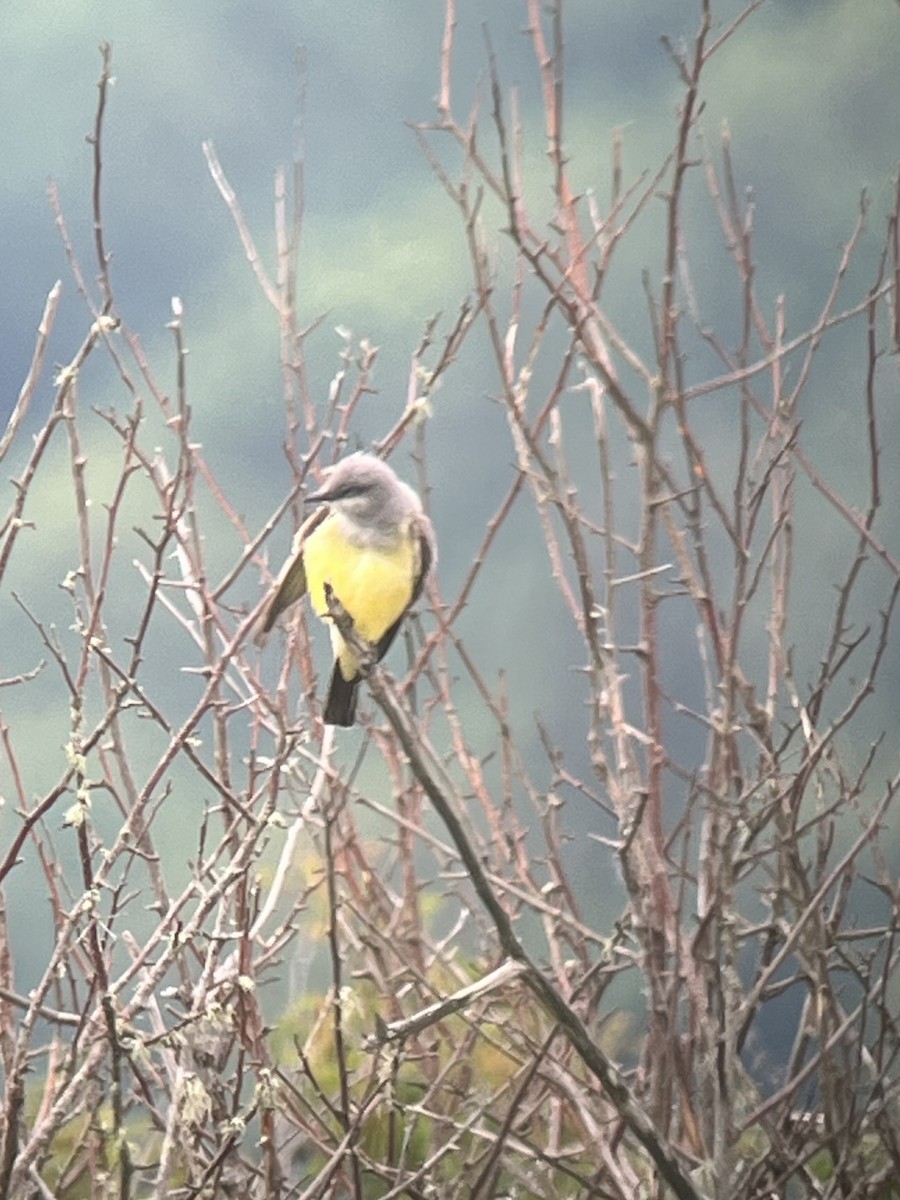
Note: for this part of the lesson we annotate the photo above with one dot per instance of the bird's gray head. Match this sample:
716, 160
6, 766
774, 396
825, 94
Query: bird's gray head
366, 491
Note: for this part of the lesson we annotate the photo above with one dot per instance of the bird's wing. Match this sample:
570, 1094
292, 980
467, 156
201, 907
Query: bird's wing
291, 582
427, 554
427, 559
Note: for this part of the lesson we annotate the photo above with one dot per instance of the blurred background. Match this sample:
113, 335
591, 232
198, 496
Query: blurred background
810, 92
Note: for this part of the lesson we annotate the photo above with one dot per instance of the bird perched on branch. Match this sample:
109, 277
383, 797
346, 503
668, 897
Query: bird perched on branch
373, 545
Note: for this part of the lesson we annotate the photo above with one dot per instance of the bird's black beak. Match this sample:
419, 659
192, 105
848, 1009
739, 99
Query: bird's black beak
320, 497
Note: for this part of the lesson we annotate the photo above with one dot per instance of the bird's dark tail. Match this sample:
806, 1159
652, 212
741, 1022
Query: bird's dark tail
341, 706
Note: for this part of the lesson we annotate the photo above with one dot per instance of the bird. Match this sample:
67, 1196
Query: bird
370, 545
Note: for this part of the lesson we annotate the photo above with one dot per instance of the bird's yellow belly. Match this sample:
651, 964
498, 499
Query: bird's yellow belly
374, 585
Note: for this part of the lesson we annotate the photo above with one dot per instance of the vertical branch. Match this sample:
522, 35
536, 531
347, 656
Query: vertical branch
96, 143
443, 102
337, 994
20, 409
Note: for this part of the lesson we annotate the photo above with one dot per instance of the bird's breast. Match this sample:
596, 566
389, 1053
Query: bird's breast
373, 582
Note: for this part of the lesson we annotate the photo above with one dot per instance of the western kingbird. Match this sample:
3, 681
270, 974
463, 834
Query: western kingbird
374, 545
